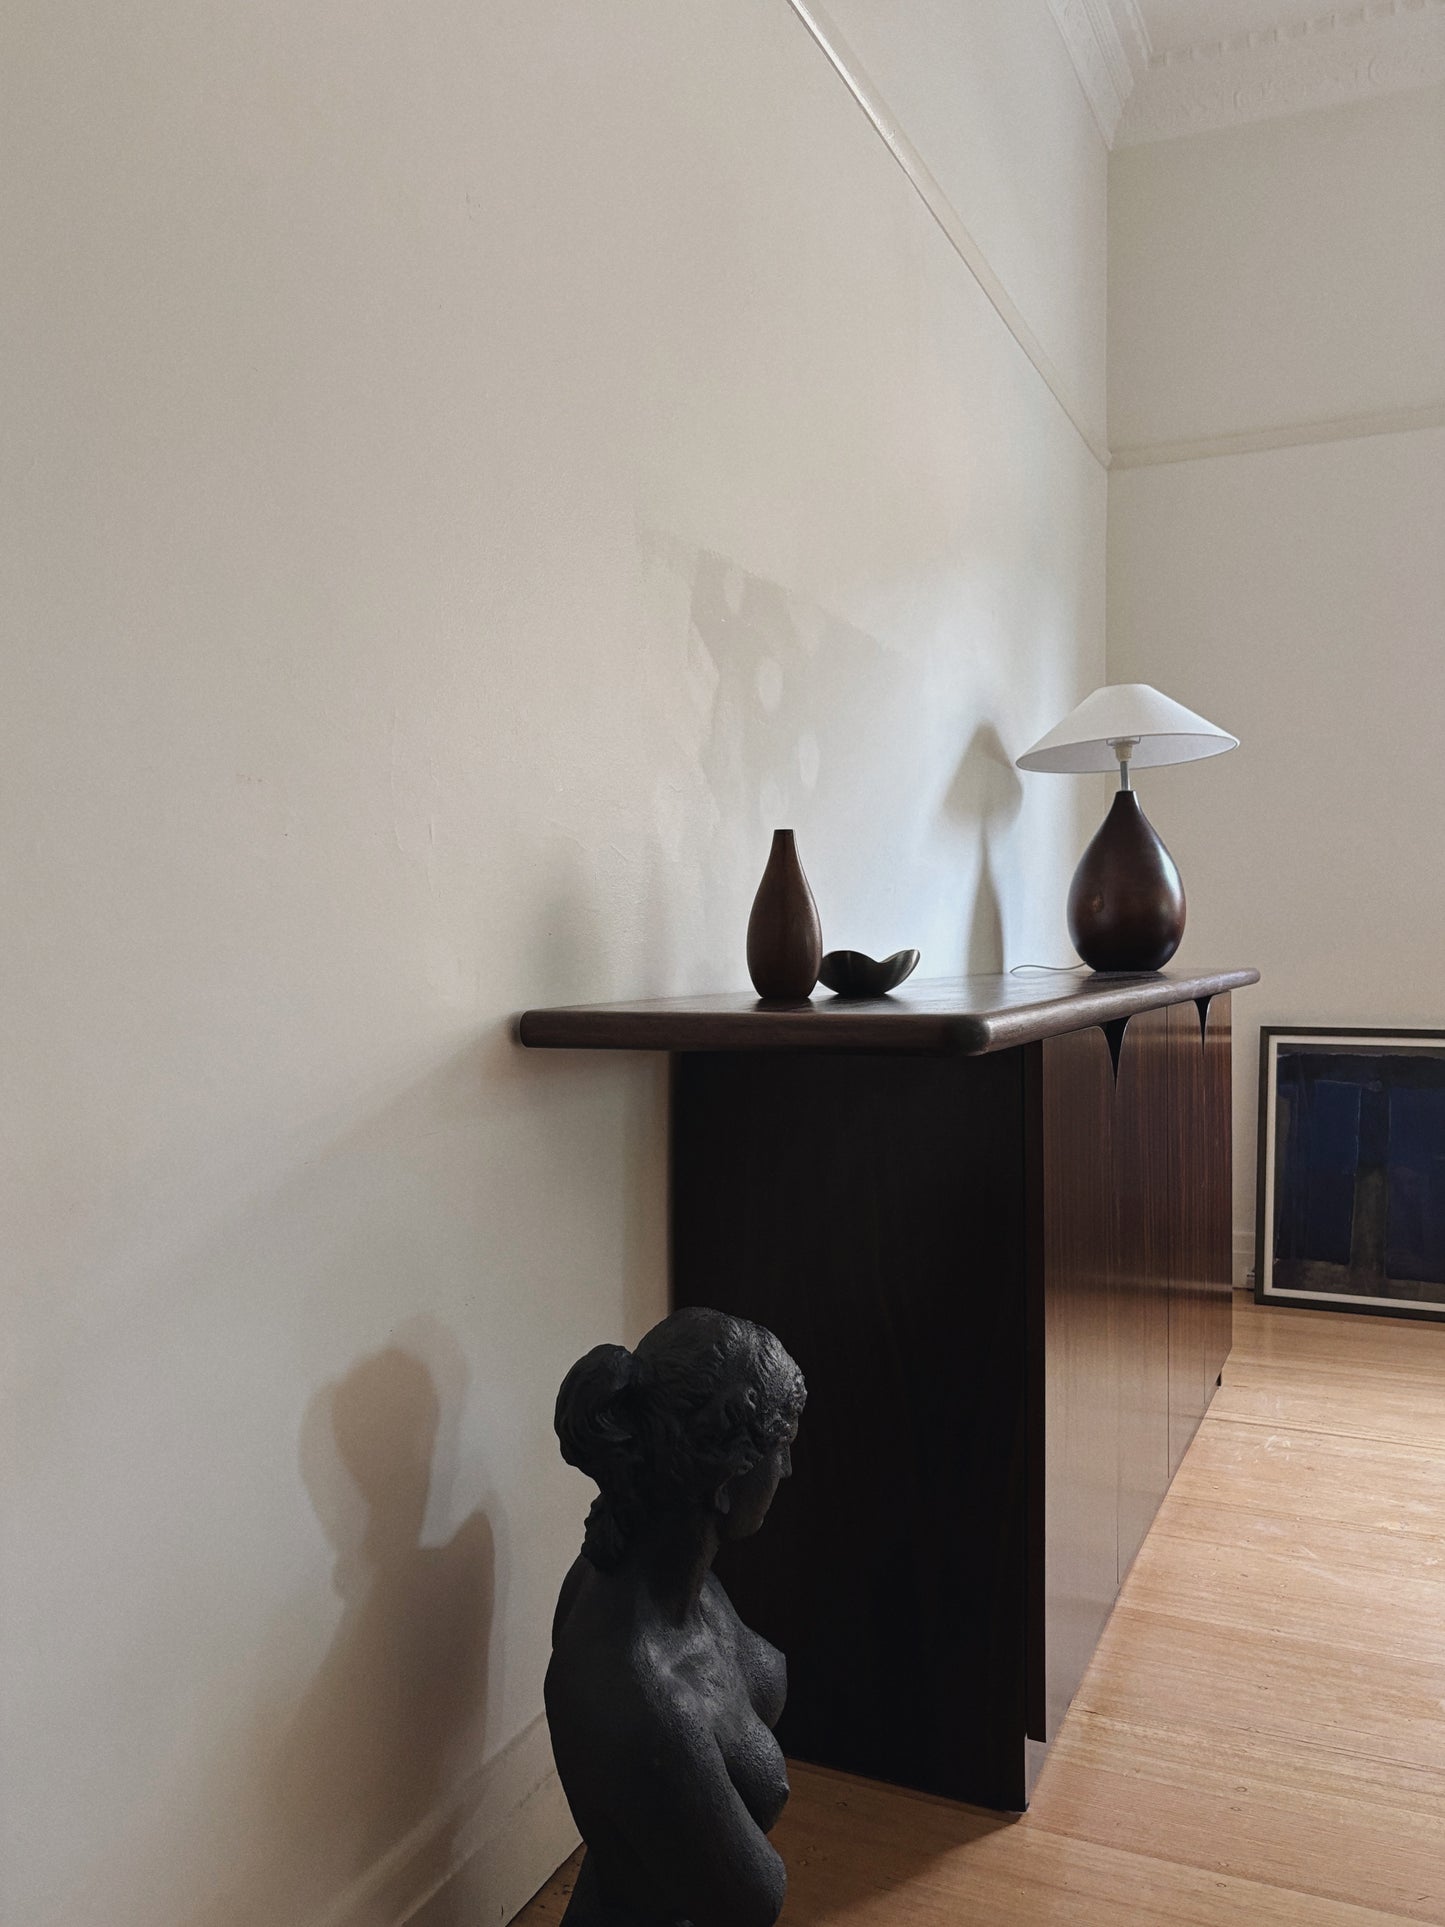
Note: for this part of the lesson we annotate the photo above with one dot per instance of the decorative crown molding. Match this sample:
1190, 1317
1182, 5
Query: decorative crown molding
1110, 51
1139, 94
1348, 53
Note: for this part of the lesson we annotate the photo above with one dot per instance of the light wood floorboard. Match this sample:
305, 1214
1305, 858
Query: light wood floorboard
1261, 1737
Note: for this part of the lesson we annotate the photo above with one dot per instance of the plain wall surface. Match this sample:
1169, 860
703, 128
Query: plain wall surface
1296, 595
471, 472
990, 96
1288, 272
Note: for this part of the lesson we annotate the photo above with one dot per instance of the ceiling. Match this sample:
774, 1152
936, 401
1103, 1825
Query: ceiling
1155, 69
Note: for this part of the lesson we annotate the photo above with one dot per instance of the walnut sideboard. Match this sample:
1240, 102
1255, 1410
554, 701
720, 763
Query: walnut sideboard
990, 1218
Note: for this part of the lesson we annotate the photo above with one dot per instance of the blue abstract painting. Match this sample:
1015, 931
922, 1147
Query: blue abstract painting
1353, 1168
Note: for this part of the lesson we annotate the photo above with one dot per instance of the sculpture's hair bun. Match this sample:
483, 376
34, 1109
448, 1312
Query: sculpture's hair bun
593, 1426
703, 1399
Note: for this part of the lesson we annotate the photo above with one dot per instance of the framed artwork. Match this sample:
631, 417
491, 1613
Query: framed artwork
1352, 1171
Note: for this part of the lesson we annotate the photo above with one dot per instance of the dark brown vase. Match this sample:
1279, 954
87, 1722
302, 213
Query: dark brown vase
785, 940
1126, 903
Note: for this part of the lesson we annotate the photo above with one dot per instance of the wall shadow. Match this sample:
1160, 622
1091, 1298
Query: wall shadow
350, 1783
984, 797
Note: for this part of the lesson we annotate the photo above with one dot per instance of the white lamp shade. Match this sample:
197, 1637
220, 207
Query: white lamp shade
1165, 732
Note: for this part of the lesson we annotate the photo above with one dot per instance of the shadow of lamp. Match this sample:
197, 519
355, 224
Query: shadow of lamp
1126, 902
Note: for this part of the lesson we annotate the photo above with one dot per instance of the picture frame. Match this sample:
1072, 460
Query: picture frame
1350, 1206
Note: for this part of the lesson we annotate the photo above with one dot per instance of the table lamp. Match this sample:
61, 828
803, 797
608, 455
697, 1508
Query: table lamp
1126, 903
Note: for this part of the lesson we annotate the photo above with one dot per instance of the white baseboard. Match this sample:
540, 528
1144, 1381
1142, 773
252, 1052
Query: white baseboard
480, 1856
516, 1835
1244, 1259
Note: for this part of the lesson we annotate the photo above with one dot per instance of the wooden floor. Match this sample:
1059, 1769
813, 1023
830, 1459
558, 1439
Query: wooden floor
1261, 1737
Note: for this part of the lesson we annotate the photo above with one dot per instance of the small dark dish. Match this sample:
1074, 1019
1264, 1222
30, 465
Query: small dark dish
850, 974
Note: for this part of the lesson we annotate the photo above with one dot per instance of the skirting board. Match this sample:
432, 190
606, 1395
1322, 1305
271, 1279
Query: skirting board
480, 1857
1243, 1258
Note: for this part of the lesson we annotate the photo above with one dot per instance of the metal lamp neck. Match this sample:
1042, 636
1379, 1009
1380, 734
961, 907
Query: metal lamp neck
1124, 747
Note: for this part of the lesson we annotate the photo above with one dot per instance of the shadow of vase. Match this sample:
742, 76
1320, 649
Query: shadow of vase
984, 798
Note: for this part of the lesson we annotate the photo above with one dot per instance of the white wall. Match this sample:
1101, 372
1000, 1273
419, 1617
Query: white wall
1280, 277
470, 472
1285, 273
991, 97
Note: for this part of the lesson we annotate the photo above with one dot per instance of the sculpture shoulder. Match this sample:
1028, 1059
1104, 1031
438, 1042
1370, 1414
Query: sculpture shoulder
597, 1648
613, 1663
634, 1708
763, 1667
616, 1674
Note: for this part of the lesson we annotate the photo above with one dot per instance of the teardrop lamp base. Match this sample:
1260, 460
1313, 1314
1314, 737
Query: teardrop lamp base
1126, 902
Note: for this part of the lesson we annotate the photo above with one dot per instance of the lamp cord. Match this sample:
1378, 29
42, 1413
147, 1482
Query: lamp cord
1050, 970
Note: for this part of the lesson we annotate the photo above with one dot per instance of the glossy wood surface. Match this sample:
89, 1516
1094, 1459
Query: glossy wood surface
1149, 1194
871, 1212
990, 1270
1218, 1177
1185, 1143
785, 939
1259, 1741
1126, 903
969, 1015
1134, 1218
1079, 1382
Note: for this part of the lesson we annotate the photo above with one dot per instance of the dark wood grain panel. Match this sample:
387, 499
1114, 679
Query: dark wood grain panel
1005, 1278
1189, 1241
967, 1015
1217, 1179
1144, 1220
871, 1212
1080, 1362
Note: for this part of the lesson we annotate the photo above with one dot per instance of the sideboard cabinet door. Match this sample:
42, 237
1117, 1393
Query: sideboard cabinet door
1218, 1181
1200, 1203
1145, 1216
869, 1209
1076, 1556
1189, 1230
1132, 1306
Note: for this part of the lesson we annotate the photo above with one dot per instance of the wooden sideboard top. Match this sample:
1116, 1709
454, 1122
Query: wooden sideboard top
967, 1015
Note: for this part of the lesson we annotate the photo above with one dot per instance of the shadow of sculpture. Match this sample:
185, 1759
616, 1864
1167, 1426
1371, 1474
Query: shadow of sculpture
352, 1813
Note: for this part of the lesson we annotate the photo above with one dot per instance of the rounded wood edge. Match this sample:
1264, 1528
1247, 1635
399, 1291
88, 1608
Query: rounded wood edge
810, 1027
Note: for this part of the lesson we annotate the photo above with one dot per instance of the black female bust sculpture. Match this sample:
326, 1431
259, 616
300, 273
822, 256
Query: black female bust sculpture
660, 1701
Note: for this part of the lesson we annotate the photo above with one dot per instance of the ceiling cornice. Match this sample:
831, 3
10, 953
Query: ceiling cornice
1348, 53
1110, 51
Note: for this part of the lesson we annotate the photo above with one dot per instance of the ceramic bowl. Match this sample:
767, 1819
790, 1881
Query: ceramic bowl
850, 974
